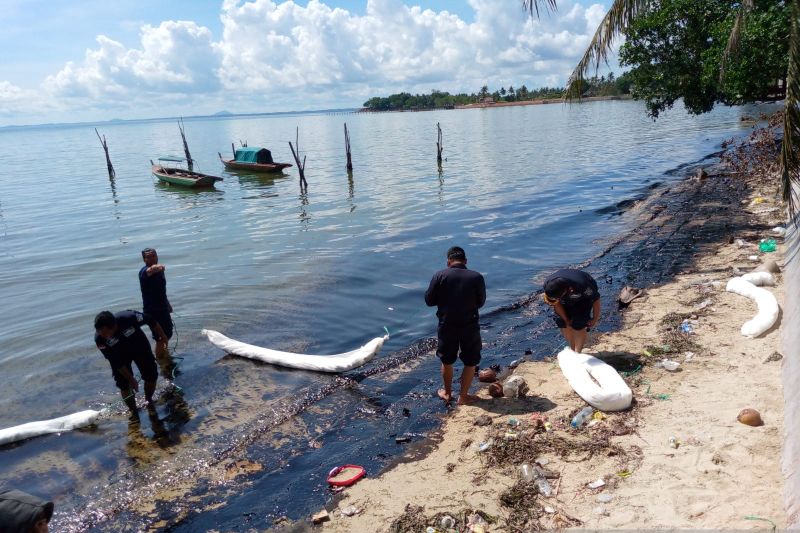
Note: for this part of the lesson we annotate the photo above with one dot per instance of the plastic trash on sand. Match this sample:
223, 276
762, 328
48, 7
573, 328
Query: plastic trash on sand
515, 387
596, 484
668, 365
767, 245
780, 231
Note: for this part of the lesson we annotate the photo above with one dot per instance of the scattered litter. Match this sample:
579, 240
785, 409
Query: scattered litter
668, 365
346, 475
753, 257
629, 294
741, 243
702, 305
596, 484
604, 498
513, 422
448, 522
390, 308
515, 363
538, 419
515, 387
624, 473
600, 511
476, 523
542, 461
767, 245
598, 415
496, 390
549, 510
774, 356
583, 415
483, 420
757, 200
688, 356
402, 439
351, 510
320, 517
750, 417
483, 446
780, 231
511, 435
686, 328
674, 442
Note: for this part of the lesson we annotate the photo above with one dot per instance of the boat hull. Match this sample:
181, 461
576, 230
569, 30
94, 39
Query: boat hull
184, 178
230, 164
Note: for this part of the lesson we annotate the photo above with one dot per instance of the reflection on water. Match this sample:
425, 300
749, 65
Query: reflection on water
520, 202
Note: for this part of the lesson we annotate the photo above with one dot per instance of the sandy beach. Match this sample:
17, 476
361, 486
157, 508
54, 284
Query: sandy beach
677, 459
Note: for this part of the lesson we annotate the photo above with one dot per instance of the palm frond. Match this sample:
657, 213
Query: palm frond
790, 152
735, 36
619, 17
532, 6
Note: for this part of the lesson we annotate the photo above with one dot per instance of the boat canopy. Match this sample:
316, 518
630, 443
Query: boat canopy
172, 158
253, 155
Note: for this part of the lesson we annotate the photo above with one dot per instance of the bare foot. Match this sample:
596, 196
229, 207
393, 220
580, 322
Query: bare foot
444, 396
468, 399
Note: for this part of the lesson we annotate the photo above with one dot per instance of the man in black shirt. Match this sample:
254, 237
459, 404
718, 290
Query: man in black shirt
458, 293
574, 297
153, 283
122, 342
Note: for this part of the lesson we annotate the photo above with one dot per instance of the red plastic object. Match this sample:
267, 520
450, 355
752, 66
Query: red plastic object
360, 472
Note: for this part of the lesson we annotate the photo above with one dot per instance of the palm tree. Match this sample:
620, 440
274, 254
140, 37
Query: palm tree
621, 15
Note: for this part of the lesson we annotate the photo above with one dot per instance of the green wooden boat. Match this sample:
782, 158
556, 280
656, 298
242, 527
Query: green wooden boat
170, 170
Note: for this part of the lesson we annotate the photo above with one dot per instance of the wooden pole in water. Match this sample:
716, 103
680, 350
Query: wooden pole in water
439, 146
233, 150
347, 149
301, 167
104, 144
189, 160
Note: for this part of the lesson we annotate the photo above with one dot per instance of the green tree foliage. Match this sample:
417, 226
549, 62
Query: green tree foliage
675, 50
602, 86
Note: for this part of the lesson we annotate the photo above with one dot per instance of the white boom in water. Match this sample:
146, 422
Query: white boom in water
45, 427
341, 362
595, 381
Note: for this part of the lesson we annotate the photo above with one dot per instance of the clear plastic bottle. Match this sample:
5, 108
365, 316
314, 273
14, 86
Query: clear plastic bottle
527, 473
543, 485
582, 416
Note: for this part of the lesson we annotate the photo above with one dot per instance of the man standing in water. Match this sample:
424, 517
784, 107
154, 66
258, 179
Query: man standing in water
121, 340
153, 283
458, 293
574, 297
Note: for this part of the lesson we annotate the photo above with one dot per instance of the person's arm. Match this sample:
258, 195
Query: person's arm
123, 370
431, 295
155, 269
481, 292
595, 313
560, 311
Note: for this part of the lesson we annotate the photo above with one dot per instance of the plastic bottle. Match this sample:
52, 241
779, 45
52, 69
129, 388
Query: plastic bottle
582, 416
543, 485
527, 473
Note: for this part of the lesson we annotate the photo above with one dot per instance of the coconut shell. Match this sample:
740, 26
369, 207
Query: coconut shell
496, 390
487, 375
751, 417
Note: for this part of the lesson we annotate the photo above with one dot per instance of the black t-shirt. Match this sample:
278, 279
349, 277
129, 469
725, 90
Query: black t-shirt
583, 285
459, 293
154, 291
129, 340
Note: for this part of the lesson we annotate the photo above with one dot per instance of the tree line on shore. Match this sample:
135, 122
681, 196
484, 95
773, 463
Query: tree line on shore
610, 85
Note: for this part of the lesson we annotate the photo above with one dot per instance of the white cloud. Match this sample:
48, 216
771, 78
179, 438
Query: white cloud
276, 55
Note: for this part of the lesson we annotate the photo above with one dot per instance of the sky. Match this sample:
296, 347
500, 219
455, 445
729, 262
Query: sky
91, 60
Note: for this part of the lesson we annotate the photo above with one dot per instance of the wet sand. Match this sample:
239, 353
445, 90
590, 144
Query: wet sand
718, 473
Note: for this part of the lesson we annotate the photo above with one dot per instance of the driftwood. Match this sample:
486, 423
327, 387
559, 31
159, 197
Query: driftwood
347, 148
189, 160
301, 167
111, 173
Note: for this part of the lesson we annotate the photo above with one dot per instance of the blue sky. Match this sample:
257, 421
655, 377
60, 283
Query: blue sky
53, 56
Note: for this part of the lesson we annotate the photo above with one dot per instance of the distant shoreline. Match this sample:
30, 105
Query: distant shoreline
483, 105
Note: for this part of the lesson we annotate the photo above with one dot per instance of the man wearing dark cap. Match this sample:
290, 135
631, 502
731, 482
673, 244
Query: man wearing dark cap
459, 293
153, 283
120, 339
21, 512
574, 297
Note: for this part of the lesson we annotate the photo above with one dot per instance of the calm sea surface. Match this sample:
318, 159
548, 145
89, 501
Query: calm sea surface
524, 190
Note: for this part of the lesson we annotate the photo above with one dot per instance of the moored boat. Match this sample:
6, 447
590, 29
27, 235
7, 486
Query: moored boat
253, 159
176, 175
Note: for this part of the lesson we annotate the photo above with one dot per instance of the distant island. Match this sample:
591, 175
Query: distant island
603, 86
222, 114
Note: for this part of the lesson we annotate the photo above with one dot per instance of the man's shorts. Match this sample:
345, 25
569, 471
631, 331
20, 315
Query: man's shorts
147, 366
580, 314
164, 320
464, 339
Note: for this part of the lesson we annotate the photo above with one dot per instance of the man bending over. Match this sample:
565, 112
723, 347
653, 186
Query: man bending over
574, 297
